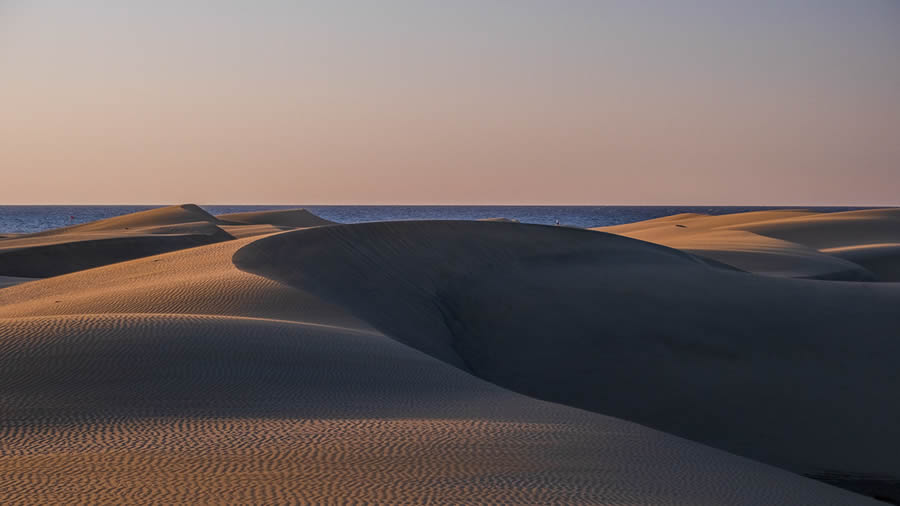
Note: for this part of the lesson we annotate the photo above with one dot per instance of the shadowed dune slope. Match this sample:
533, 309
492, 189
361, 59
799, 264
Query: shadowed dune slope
693, 223
179, 378
6, 281
883, 259
179, 229
196, 281
295, 218
79, 247
764, 255
69, 249
241, 231
835, 230
57, 258
812, 229
796, 373
361, 266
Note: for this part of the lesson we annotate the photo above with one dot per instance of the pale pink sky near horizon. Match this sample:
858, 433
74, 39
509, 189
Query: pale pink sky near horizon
792, 102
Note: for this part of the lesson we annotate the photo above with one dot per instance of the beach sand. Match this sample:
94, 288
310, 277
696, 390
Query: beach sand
288, 359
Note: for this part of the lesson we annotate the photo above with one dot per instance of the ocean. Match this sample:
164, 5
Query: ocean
28, 219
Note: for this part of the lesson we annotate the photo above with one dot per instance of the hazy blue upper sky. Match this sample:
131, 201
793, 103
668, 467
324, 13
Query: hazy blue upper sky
469, 102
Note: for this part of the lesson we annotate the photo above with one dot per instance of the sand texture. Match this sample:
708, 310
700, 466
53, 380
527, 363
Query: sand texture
790, 243
443, 363
103, 242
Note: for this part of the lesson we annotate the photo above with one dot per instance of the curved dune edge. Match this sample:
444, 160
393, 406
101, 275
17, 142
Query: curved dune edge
117, 239
401, 255
127, 237
195, 281
833, 230
758, 254
562, 314
788, 243
179, 378
881, 259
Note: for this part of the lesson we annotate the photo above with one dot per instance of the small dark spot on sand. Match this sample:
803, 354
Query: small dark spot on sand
680, 225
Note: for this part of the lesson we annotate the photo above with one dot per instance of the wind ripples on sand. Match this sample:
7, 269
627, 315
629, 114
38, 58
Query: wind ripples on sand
360, 364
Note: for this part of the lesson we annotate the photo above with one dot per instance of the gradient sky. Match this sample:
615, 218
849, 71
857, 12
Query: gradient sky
450, 102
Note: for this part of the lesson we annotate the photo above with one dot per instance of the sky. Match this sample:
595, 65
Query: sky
764, 102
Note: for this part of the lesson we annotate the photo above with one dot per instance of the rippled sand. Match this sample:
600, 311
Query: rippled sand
381, 363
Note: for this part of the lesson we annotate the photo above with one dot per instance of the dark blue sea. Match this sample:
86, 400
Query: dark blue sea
26, 219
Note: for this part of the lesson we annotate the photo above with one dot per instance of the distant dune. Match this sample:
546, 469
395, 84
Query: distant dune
78, 247
787, 243
446, 362
171, 215
297, 218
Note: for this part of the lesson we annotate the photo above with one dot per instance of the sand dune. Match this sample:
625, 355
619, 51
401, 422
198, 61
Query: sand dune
56, 238
79, 247
171, 215
367, 363
78, 253
881, 259
180, 378
626, 328
356, 263
212, 409
241, 231
834, 230
198, 281
294, 218
691, 223
787, 243
764, 255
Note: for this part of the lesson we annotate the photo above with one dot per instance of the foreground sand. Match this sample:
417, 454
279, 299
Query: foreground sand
357, 363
